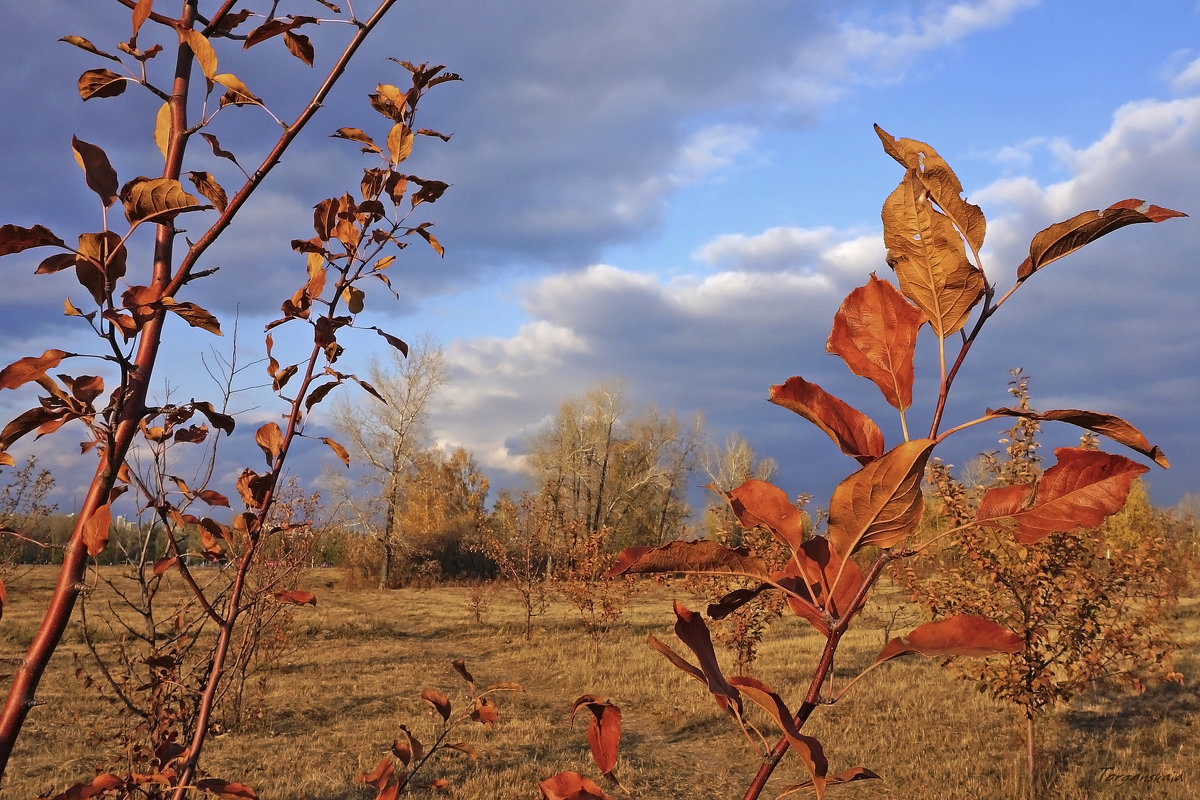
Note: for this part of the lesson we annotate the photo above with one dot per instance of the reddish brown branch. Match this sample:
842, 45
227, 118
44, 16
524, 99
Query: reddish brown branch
824, 667
132, 405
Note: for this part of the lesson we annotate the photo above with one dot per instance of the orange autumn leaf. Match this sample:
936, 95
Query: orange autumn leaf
875, 333
1080, 491
757, 503
882, 502
962, 635
854, 432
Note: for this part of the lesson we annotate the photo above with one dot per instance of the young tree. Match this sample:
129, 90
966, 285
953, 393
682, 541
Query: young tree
386, 439
127, 309
600, 468
518, 540
934, 238
1089, 605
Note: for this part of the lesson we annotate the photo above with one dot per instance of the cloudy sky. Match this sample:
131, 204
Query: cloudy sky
680, 195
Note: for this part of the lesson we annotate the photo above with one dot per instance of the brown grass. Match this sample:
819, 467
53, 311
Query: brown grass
363, 656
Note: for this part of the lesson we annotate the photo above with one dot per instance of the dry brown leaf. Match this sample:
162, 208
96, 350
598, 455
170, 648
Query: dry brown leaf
691, 630
568, 785
1108, 425
95, 530
855, 433
604, 730
101, 83
700, 556
875, 333
238, 92
1080, 491
300, 46
927, 253
940, 181
270, 439
1066, 237
807, 748
357, 135
14, 238
156, 199
882, 502
207, 185
757, 503
962, 635
162, 128
399, 143
99, 174
438, 700
337, 449
30, 368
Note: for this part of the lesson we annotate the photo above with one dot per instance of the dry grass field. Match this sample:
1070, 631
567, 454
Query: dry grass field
358, 661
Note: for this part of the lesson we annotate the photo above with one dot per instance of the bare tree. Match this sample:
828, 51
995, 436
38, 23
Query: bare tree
728, 466
731, 464
675, 448
23, 509
598, 467
386, 438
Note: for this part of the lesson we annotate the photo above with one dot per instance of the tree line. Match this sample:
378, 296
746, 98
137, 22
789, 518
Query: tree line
407, 510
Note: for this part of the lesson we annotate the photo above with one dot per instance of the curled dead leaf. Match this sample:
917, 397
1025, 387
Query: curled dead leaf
962, 635
604, 730
855, 433
297, 597
270, 440
337, 449
438, 700
568, 785
1066, 237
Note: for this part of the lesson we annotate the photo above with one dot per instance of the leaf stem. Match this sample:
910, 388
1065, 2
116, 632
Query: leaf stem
824, 667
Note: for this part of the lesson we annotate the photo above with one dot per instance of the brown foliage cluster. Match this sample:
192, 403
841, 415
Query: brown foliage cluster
1089, 604
934, 238
580, 580
398, 769
192, 523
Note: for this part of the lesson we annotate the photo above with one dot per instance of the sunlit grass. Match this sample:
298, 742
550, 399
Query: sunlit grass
361, 658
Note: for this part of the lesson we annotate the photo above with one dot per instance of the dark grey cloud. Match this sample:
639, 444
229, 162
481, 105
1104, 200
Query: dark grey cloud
1111, 327
574, 129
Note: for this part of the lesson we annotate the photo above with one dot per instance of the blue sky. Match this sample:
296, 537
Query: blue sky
682, 199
